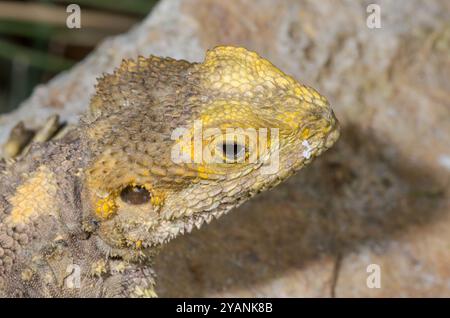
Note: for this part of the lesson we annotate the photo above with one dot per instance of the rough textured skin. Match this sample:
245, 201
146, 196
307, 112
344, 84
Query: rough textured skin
381, 195
61, 203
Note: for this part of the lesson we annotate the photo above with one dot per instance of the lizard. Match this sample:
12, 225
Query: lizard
84, 215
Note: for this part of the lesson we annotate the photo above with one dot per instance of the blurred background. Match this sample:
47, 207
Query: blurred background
35, 43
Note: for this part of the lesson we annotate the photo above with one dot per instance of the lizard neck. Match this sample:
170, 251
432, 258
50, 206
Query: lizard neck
45, 250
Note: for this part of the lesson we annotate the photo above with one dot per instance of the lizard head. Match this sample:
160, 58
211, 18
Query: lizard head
175, 144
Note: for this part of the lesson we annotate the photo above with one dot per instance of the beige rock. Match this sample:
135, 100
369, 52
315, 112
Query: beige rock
414, 265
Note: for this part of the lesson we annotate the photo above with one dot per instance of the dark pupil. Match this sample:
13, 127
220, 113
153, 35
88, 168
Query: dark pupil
135, 195
231, 150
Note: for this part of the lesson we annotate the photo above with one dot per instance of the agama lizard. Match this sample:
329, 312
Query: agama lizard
84, 215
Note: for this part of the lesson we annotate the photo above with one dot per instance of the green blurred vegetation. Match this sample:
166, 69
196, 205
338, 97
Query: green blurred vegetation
33, 50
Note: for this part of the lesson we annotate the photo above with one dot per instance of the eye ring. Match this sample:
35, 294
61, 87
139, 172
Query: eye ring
135, 195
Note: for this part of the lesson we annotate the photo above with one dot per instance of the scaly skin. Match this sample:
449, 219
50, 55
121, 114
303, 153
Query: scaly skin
66, 207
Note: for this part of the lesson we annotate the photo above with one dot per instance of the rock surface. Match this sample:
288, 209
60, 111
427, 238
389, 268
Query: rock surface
381, 196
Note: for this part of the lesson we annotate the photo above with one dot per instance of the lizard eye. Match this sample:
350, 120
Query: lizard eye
135, 195
232, 151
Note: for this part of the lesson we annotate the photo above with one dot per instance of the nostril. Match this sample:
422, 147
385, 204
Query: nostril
332, 118
328, 115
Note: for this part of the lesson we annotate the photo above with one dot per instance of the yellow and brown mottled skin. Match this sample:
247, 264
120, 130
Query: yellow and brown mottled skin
60, 204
